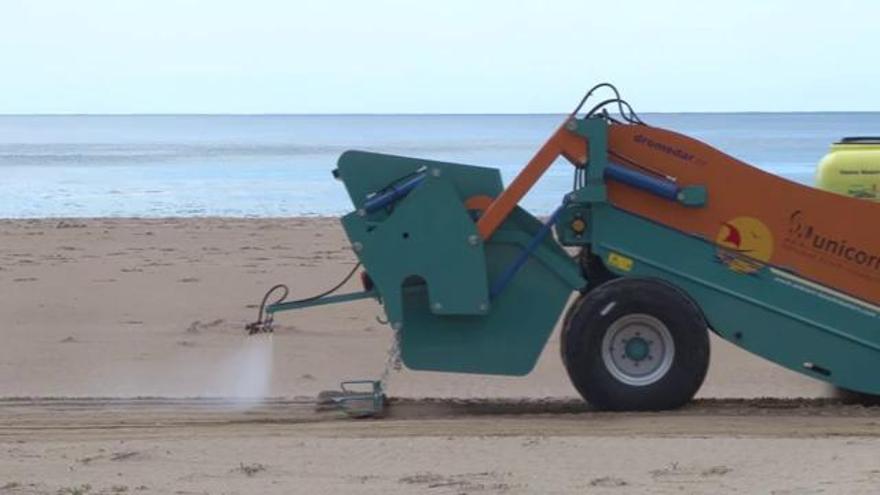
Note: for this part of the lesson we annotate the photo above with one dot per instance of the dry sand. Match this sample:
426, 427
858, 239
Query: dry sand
119, 309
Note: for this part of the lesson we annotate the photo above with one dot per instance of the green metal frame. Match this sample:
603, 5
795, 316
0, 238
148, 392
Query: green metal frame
322, 301
771, 312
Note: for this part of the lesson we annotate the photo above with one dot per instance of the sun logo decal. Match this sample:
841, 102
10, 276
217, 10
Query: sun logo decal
745, 244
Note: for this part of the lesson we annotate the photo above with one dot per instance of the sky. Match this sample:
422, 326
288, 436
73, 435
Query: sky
452, 56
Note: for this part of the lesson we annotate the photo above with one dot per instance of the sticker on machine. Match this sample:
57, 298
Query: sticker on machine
745, 244
815, 242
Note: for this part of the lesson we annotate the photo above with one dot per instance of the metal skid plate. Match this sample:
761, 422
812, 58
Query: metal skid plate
356, 398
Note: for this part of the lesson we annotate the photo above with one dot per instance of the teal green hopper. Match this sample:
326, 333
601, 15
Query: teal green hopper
432, 271
656, 255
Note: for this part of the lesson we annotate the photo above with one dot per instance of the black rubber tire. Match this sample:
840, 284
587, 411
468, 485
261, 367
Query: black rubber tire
586, 326
569, 313
596, 274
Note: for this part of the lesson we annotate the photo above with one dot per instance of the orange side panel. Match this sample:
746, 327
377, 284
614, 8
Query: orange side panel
825, 237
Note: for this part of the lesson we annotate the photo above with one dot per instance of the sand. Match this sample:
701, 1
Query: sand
100, 313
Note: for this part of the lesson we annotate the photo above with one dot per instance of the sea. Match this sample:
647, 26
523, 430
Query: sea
280, 165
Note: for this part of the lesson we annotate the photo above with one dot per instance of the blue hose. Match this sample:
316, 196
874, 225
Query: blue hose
507, 275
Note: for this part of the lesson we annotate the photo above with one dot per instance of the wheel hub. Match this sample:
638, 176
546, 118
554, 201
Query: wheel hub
637, 348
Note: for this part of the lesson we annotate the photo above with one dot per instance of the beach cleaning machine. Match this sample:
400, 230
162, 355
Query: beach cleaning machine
667, 238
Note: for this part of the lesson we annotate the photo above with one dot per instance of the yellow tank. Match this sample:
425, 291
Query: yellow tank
852, 168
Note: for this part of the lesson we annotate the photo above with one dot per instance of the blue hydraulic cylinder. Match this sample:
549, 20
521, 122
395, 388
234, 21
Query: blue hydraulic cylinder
660, 187
392, 193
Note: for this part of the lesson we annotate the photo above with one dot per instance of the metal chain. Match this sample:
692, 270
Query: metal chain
392, 362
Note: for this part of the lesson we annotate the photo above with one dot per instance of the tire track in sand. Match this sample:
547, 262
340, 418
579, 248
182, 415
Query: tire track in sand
790, 418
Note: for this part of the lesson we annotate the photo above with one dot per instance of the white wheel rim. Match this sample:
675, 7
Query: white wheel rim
638, 349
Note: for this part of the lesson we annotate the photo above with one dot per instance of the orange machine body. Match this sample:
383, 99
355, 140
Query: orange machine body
820, 236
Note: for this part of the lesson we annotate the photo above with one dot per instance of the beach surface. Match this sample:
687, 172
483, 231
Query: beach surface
124, 368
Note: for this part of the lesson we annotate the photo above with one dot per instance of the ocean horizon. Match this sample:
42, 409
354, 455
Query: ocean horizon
279, 165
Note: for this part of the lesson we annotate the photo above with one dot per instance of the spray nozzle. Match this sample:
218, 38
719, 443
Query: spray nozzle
264, 317
260, 326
